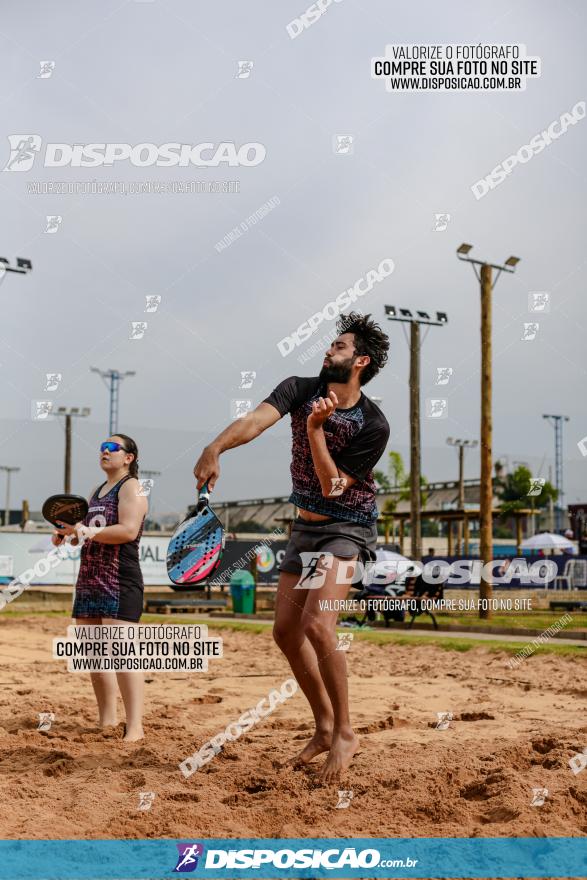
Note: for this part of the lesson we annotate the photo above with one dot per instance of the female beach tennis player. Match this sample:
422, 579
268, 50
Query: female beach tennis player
109, 587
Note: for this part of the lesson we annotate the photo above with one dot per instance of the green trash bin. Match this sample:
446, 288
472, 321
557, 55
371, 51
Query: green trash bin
242, 591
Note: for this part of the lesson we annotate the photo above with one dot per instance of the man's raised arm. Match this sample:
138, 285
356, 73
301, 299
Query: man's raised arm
207, 468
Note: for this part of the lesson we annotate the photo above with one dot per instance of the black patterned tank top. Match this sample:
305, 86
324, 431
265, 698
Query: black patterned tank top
111, 567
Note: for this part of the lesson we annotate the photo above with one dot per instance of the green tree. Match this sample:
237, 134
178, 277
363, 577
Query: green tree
401, 480
382, 480
396, 469
248, 525
513, 490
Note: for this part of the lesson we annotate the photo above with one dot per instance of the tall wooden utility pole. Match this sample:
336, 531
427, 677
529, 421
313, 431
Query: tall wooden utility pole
486, 488
69, 412
67, 477
415, 447
405, 315
484, 277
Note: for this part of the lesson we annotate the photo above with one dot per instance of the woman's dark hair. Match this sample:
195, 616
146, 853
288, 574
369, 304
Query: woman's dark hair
369, 339
131, 446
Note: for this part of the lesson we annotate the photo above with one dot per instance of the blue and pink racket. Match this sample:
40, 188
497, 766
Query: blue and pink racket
196, 546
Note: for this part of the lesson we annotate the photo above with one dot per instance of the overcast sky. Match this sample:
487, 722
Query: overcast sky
165, 71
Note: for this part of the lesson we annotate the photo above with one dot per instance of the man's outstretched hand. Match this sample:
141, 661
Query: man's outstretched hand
207, 468
321, 410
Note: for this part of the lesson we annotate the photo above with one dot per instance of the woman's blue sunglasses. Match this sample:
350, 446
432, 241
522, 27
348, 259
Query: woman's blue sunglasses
111, 446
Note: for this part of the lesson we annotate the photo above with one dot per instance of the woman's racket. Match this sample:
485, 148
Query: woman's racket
196, 546
65, 508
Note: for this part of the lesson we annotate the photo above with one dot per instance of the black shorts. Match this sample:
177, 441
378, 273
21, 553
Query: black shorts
342, 538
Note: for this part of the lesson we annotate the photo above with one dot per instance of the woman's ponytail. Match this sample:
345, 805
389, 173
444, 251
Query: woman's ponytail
131, 446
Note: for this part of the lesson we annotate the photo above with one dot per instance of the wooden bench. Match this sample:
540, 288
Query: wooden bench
180, 606
568, 605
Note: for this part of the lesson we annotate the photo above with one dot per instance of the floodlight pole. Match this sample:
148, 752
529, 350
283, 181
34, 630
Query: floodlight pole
415, 433
68, 412
557, 422
486, 487
485, 277
415, 444
23, 266
461, 445
114, 377
9, 470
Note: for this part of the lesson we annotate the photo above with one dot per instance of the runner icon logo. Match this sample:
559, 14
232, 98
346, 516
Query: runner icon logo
578, 762
45, 721
539, 795
444, 719
443, 375
344, 800
189, 854
146, 799
441, 222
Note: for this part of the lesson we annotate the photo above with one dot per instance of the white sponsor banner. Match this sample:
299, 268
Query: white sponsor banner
25, 548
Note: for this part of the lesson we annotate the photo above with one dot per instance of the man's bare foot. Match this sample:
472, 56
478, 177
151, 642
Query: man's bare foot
320, 742
133, 734
107, 721
340, 756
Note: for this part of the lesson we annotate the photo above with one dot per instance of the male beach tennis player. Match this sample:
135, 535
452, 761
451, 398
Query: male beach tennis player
338, 435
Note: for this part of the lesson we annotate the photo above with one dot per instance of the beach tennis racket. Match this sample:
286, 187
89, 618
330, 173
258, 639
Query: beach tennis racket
65, 508
196, 546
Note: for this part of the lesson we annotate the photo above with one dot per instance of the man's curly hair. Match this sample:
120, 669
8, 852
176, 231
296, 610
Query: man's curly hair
369, 339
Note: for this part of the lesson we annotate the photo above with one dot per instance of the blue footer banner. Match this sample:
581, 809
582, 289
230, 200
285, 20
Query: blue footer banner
428, 858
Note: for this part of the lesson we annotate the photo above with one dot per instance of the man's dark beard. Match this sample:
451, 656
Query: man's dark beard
337, 372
